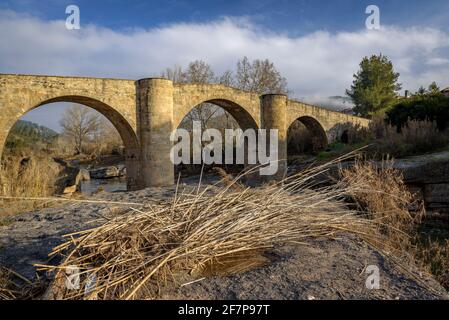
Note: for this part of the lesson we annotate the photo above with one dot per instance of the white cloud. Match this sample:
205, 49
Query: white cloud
319, 64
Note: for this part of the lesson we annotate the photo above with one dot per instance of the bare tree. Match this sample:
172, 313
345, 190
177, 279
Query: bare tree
106, 140
260, 76
79, 123
175, 74
199, 72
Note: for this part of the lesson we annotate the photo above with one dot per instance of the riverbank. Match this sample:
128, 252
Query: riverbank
317, 269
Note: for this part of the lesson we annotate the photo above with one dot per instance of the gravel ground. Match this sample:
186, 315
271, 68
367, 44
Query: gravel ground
324, 269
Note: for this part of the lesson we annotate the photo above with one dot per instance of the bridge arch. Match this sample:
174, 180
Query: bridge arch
123, 127
244, 119
243, 106
319, 139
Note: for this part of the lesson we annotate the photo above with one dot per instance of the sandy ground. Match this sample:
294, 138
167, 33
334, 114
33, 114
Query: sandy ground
323, 269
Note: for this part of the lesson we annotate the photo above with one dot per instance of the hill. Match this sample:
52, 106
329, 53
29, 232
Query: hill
26, 134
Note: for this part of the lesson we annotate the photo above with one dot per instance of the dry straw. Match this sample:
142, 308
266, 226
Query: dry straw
209, 230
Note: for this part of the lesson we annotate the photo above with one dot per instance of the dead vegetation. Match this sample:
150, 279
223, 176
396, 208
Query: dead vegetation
380, 193
208, 231
382, 196
13, 286
26, 177
152, 249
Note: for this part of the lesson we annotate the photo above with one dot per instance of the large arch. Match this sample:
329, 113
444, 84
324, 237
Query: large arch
239, 113
316, 130
243, 106
125, 130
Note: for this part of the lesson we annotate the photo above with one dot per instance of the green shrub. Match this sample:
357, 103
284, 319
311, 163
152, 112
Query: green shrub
421, 107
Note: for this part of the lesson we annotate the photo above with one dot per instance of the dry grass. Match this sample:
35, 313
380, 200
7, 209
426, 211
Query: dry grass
434, 257
13, 286
382, 139
380, 193
383, 196
416, 137
35, 177
149, 250
207, 231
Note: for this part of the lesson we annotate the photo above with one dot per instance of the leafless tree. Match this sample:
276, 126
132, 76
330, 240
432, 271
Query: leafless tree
260, 76
79, 123
198, 72
106, 139
174, 74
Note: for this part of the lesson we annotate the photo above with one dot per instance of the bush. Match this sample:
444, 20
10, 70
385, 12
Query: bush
415, 137
433, 107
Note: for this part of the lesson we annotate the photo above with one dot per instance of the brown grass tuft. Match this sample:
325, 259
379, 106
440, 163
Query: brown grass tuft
13, 286
203, 232
380, 193
27, 177
384, 198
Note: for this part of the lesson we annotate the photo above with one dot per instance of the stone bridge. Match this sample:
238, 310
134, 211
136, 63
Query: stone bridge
146, 111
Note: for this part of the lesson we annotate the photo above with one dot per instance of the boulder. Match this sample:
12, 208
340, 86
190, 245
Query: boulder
83, 175
122, 170
436, 193
425, 169
70, 189
105, 173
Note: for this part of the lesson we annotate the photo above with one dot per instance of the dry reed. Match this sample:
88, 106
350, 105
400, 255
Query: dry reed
27, 178
14, 286
380, 193
201, 232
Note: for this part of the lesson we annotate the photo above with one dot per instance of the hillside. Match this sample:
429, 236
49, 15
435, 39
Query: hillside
26, 134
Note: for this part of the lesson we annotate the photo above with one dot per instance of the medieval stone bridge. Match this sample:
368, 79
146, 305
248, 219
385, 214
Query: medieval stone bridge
146, 111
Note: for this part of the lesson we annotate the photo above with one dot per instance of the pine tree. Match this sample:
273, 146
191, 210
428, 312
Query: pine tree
375, 85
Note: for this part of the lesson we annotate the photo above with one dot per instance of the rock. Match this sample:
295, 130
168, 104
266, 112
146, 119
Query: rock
70, 190
427, 176
425, 169
83, 175
71, 177
105, 173
122, 170
438, 193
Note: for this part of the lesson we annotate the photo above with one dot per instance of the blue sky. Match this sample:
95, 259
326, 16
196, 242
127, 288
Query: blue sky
295, 17
317, 45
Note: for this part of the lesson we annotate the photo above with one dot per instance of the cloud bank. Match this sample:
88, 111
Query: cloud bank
316, 65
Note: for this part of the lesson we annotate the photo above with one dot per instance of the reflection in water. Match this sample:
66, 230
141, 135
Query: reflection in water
108, 185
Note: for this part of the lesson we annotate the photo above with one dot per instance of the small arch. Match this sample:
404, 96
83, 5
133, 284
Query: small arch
318, 138
344, 138
124, 128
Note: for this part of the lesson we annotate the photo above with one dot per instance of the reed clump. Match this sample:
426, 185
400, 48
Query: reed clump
26, 177
399, 217
207, 231
382, 196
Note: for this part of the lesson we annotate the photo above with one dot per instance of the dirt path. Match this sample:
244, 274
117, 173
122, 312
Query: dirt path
324, 269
